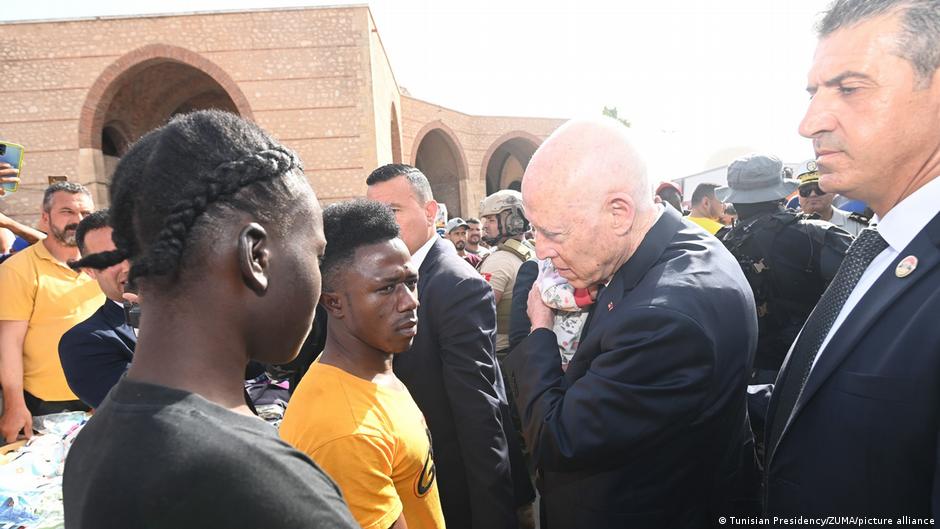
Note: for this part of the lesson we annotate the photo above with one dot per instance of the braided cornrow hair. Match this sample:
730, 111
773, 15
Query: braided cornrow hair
229, 178
172, 178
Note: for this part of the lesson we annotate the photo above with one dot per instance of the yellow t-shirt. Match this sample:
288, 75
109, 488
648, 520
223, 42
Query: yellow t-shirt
372, 440
35, 287
711, 226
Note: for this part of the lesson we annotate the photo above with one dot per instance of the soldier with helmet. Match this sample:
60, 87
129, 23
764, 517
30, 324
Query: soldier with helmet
788, 258
813, 200
504, 228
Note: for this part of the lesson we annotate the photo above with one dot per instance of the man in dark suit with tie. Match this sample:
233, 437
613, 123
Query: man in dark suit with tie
853, 423
96, 352
451, 369
648, 425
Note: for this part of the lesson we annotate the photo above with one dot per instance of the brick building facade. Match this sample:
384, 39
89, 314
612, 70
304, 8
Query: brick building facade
78, 92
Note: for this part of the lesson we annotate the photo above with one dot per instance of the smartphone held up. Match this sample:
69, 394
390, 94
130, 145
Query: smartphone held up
11, 161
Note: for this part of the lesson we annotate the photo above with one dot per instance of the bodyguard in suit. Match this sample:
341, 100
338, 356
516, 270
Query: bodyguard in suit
854, 418
451, 369
648, 425
96, 352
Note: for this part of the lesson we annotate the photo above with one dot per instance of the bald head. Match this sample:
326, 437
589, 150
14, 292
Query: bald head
594, 156
587, 194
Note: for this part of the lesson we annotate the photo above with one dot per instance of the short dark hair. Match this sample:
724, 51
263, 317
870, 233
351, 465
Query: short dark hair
179, 183
419, 182
918, 38
67, 187
702, 191
95, 221
348, 226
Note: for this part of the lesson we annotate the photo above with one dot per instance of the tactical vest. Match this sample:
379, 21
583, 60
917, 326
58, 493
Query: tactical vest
524, 252
786, 282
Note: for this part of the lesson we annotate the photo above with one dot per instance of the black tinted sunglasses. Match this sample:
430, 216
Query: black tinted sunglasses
809, 189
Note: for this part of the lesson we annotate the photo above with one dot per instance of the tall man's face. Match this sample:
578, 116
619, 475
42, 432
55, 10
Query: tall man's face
872, 121
65, 212
414, 217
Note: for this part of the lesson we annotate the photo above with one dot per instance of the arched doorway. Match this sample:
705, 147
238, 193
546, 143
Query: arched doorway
439, 157
152, 96
507, 159
141, 91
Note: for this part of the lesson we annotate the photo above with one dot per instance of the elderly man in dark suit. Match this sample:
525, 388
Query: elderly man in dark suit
96, 352
854, 419
648, 425
451, 369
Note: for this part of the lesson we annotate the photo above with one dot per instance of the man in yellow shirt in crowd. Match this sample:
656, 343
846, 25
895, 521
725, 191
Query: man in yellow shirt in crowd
43, 298
350, 413
706, 208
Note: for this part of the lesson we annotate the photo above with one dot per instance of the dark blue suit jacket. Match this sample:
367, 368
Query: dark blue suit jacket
865, 436
648, 426
451, 372
96, 352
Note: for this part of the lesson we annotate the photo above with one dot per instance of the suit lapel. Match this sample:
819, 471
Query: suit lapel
427, 266
113, 315
634, 270
876, 301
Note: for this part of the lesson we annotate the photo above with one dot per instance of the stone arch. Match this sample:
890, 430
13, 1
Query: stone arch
114, 77
438, 154
506, 160
396, 136
139, 91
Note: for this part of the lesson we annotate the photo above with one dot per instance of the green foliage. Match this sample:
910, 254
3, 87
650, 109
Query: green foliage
612, 113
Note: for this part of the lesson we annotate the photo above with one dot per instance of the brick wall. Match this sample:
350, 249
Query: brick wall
316, 78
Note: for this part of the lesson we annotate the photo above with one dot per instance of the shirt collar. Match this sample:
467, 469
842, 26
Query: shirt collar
418, 257
43, 253
905, 220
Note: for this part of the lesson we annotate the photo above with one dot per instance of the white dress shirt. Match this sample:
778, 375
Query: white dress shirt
898, 228
418, 257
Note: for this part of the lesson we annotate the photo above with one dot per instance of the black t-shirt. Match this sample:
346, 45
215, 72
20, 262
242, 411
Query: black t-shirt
154, 457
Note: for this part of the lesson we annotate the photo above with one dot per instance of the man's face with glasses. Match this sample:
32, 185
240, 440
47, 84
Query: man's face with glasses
815, 200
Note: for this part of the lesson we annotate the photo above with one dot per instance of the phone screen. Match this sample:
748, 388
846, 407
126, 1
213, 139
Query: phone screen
12, 154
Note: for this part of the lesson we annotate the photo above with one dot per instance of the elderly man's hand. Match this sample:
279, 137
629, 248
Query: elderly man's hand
540, 315
8, 175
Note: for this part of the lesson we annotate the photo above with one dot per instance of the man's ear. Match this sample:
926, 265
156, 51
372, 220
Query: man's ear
44, 222
430, 211
333, 303
253, 257
622, 211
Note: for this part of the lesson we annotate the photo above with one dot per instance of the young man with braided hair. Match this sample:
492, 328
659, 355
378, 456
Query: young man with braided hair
223, 232
350, 413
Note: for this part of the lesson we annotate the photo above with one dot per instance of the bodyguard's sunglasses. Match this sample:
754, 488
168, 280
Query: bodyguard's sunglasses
809, 189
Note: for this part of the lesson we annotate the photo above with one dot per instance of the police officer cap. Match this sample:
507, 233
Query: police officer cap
756, 178
808, 172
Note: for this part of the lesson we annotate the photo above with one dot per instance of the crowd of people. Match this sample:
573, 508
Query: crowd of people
599, 359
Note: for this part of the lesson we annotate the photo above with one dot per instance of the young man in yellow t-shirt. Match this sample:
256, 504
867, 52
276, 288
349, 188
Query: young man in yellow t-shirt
350, 413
